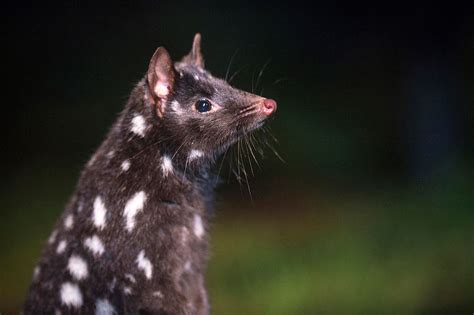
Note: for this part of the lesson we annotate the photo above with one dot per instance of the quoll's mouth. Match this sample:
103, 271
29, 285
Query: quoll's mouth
255, 126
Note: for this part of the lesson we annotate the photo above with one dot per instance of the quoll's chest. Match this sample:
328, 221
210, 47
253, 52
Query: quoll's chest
118, 250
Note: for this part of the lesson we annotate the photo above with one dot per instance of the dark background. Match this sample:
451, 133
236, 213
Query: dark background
371, 210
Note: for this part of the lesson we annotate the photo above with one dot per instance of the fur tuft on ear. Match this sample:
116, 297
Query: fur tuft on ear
195, 57
160, 78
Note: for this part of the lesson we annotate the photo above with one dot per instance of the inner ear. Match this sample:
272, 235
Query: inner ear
160, 78
195, 57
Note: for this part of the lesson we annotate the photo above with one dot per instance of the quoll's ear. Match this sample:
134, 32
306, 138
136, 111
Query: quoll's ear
195, 57
160, 78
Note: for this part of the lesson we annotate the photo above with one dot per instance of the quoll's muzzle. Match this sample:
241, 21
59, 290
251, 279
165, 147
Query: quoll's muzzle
268, 106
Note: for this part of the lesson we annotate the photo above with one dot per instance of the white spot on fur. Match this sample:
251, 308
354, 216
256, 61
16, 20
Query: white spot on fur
125, 165
138, 125
69, 222
98, 215
110, 154
36, 272
80, 206
92, 160
194, 154
95, 245
144, 264
196, 77
181, 74
52, 237
127, 290
61, 247
166, 165
71, 294
130, 277
198, 227
103, 307
187, 266
158, 294
77, 267
176, 107
133, 206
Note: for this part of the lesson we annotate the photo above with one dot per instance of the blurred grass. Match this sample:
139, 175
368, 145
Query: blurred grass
296, 249
304, 253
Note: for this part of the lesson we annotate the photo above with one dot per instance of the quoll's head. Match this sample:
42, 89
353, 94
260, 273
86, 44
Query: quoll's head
200, 113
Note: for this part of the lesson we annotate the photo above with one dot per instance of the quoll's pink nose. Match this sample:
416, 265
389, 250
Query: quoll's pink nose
269, 106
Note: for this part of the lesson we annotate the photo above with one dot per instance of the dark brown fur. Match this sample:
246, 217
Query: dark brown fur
165, 227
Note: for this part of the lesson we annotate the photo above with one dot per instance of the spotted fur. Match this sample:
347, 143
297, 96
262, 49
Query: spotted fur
133, 239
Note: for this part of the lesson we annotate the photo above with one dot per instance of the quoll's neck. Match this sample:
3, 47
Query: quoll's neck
146, 151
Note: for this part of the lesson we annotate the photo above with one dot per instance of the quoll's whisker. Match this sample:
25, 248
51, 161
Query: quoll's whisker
234, 75
250, 144
220, 166
230, 64
248, 113
246, 109
260, 74
247, 147
278, 81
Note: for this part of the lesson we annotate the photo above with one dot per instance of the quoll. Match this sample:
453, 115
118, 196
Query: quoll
133, 238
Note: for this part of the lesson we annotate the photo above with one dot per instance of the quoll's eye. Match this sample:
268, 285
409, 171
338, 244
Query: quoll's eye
203, 106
